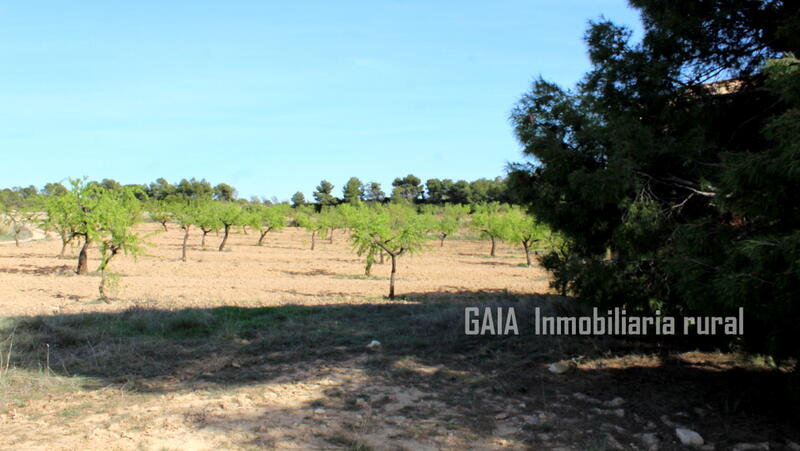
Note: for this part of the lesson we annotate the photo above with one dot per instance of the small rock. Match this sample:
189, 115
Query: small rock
689, 437
650, 440
319, 411
618, 412
561, 367
501, 416
650, 425
374, 345
585, 398
544, 437
751, 446
708, 447
616, 402
531, 419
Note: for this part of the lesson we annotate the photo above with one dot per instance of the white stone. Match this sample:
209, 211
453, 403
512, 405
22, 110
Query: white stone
650, 440
374, 345
561, 367
616, 402
689, 437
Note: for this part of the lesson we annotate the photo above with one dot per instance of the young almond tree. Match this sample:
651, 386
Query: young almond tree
87, 198
521, 228
20, 217
184, 214
396, 229
117, 212
313, 223
205, 216
160, 212
61, 211
229, 214
488, 221
268, 219
452, 216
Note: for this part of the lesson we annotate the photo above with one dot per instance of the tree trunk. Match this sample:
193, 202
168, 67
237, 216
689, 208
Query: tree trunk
527, 252
185, 240
441, 243
16, 238
263, 235
64, 242
83, 259
391, 277
330, 239
381, 256
164, 225
203, 240
244, 230
103, 265
313, 239
494, 246
224, 238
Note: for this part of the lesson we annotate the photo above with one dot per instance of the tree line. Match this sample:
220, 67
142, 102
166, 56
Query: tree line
407, 189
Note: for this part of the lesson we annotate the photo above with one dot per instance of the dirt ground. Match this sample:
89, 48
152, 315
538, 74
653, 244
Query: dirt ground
166, 366
282, 271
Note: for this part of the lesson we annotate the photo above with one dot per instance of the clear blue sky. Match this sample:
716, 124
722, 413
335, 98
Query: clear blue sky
271, 97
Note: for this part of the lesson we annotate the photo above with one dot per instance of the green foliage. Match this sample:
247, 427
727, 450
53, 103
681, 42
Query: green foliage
450, 220
523, 229
396, 229
374, 193
408, 188
298, 199
324, 194
160, 211
487, 220
224, 192
676, 189
353, 190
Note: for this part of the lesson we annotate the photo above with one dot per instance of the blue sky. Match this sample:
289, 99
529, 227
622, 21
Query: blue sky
272, 97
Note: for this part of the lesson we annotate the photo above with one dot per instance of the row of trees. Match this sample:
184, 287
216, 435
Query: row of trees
90, 213
411, 189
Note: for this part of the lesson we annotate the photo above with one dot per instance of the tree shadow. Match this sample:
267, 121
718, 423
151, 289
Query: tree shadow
38, 270
425, 370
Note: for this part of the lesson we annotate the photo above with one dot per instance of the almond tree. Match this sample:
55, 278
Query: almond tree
450, 221
269, 218
117, 212
20, 216
160, 212
185, 214
313, 223
488, 221
229, 214
61, 215
87, 198
396, 229
205, 217
522, 228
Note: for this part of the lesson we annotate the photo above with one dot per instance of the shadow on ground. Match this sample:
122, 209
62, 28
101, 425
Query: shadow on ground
482, 384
